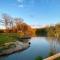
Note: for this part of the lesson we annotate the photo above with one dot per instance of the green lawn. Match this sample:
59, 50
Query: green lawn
7, 37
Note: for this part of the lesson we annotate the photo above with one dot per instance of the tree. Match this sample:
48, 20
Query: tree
41, 32
57, 30
24, 28
7, 22
51, 31
18, 23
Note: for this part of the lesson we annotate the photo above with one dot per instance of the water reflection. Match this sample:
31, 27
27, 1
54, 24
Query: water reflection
54, 44
40, 46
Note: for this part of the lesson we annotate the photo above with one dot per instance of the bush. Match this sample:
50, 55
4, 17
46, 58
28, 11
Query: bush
38, 58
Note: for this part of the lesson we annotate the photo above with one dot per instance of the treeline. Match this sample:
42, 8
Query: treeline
50, 31
41, 32
1, 31
15, 25
54, 31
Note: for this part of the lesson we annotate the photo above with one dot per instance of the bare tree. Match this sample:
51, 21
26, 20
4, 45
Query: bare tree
18, 23
7, 21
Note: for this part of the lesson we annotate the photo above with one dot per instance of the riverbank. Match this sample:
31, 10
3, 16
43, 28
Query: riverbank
11, 42
13, 47
54, 57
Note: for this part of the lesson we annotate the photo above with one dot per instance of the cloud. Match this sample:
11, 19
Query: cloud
25, 2
39, 26
21, 6
20, 1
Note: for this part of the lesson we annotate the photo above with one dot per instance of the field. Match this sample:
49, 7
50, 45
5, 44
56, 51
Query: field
7, 37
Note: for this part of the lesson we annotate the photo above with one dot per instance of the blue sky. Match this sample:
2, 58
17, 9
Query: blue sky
34, 12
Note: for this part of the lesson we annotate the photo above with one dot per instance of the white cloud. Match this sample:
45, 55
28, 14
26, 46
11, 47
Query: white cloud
23, 2
39, 26
20, 3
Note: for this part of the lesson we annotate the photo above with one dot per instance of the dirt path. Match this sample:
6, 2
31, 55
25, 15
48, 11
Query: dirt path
53, 57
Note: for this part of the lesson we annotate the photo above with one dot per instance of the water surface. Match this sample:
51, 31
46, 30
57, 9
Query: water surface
40, 46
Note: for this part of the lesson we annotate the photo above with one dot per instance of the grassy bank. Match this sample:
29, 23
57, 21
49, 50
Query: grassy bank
7, 37
11, 42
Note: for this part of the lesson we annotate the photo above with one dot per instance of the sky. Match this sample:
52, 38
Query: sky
34, 12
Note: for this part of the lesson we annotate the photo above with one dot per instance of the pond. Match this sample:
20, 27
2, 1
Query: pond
40, 46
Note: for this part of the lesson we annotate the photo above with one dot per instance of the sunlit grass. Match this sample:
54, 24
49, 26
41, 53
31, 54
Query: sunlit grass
5, 38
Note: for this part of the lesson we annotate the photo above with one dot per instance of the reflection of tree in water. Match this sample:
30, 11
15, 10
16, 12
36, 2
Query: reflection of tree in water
53, 42
53, 46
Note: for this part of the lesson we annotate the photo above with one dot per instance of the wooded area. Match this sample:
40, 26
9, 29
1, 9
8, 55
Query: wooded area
17, 25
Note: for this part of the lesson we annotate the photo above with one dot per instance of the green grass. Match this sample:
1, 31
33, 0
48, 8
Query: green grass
7, 37
39, 58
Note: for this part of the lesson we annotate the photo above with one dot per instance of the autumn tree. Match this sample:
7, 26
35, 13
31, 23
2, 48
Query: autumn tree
57, 30
18, 24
